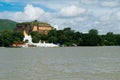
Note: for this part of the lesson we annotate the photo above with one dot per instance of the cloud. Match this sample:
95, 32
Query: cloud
105, 17
108, 23
110, 3
103, 3
118, 15
30, 13
33, 12
114, 16
107, 26
71, 11
80, 15
89, 1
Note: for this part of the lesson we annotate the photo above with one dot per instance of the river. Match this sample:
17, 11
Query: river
62, 63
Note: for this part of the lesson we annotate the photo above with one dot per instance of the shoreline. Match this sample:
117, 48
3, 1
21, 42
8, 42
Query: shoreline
63, 47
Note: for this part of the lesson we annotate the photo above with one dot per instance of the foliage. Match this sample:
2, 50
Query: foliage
8, 37
93, 37
5, 38
35, 36
17, 36
93, 32
65, 37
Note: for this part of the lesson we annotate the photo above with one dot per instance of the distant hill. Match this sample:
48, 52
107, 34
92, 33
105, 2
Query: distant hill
6, 24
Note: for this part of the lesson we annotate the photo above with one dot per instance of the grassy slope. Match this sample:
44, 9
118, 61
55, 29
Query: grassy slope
6, 24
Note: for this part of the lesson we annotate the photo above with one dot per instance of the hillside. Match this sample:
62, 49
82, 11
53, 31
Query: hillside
6, 24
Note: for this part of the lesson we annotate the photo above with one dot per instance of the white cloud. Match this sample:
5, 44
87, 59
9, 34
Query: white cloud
104, 3
80, 19
114, 16
118, 15
105, 17
30, 13
110, 3
20, 16
56, 27
33, 12
71, 11
108, 23
80, 15
6, 15
89, 1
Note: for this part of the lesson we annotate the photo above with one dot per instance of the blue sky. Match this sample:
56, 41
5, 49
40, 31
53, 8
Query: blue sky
10, 7
80, 15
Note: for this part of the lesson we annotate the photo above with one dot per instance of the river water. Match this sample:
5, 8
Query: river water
64, 63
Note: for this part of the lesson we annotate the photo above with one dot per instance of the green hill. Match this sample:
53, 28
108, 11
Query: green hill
6, 24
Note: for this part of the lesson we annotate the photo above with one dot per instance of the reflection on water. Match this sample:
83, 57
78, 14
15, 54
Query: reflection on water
80, 63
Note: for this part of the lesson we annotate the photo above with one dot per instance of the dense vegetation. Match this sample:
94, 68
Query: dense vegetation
65, 37
6, 24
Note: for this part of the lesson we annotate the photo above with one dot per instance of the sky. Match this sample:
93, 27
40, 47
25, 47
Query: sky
80, 15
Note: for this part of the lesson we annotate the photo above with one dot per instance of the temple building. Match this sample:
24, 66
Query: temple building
40, 27
18, 44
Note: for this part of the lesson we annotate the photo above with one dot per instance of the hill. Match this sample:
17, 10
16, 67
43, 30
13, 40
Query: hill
6, 24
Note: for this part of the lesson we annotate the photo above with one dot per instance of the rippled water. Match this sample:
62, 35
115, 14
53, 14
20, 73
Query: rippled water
78, 63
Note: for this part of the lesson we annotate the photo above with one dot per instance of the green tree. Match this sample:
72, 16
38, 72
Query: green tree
109, 39
69, 33
36, 36
93, 32
6, 38
77, 37
91, 39
61, 37
117, 39
52, 36
17, 36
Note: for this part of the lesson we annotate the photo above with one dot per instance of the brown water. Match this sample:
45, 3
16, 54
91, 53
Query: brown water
79, 63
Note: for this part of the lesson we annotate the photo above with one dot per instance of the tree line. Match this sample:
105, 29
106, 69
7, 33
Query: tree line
65, 37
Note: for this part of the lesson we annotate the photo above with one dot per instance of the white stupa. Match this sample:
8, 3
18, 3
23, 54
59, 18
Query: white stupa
29, 39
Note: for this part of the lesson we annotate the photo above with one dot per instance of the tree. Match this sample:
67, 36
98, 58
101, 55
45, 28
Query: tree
93, 32
35, 22
61, 37
6, 38
36, 37
52, 36
17, 36
117, 39
91, 39
69, 36
52, 33
109, 39
77, 37
52, 39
